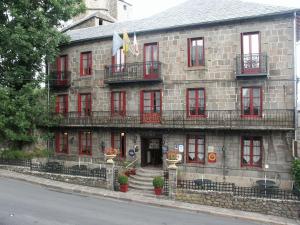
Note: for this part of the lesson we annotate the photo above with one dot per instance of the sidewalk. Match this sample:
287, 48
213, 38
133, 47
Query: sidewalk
140, 197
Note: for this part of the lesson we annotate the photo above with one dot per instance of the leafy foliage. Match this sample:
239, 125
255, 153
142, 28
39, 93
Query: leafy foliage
296, 171
29, 38
123, 179
158, 182
19, 154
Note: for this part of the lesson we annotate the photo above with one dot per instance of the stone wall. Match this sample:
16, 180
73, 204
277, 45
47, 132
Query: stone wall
283, 208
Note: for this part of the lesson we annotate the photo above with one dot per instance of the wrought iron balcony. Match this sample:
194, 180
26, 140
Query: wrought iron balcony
60, 79
213, 119
133, 72
252, 65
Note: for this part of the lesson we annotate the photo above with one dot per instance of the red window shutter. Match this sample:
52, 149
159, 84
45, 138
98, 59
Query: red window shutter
90, 63
112, 103
142, 101
81, 64
90, 103
57, 142
66, 104
57, 104
187, 103
124, 102
79, 104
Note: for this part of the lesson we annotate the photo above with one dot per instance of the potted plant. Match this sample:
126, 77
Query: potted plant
123, 181
172, 159
110, 154
158, 183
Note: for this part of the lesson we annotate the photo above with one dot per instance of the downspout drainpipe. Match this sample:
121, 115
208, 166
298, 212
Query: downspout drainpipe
295, 82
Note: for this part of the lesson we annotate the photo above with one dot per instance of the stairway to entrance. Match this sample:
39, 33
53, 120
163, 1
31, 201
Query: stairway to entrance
143, 179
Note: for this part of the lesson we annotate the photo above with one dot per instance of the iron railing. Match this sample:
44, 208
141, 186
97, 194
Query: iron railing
56, 167
213, 119
16, 162
253, 192
133, 72
166, 183
60, 79
252, 65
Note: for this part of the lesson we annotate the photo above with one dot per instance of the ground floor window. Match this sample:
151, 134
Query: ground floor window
118, 141
85, 143
61, 142
195, 149
251, 151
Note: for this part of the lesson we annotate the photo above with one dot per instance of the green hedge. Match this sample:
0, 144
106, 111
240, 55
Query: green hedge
296, 171
19, 154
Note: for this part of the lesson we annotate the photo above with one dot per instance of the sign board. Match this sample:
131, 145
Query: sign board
131, 152
212, 157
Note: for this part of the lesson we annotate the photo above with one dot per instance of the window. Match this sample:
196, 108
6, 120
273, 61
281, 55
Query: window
297, 28
196, 102
85, 143
118, 141
251, 101
250, 53
61, 142
151, 106
86, 64
251, 151
118, 103
196, 149
118, 61
84, 104
62, 67
196, 52
61, 104
151, 67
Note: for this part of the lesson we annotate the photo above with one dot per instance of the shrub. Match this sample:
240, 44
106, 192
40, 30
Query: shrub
123, 179
158, 182
296, 171
111, 151
19, 154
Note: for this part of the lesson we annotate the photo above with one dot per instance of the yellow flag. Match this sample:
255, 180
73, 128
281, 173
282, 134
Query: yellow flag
126, 42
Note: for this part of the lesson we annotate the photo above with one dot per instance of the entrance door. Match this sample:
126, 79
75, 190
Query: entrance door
151, 152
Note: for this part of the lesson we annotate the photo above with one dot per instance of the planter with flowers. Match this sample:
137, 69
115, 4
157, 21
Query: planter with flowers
158, 183
110, 154
172, 159
123, 181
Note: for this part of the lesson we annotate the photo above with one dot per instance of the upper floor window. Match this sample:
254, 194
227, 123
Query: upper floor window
86, 63
85, 143
61, 142
118, 103
251, 151
151, 106
62, 67
196, 149
61, 104
251, 101
196, 102
84, 104
118, 61
151, 66
196, 51
251, 57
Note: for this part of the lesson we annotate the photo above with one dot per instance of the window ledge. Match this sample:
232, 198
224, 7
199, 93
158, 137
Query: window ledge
192, 68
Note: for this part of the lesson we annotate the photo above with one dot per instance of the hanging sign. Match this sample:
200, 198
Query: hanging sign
131, 152
212, 157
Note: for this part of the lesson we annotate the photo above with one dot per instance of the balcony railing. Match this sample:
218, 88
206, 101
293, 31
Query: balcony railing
213, 119
252, 65
133, 72
60, 79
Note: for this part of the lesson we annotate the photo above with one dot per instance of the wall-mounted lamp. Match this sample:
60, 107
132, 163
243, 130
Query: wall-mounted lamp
122, 134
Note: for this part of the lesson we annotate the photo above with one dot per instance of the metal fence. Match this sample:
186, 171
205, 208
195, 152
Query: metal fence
166, 183
55, 167
16, 162
116, 183
255, 191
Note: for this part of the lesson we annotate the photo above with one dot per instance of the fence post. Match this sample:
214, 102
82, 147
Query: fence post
172, 182
110, 176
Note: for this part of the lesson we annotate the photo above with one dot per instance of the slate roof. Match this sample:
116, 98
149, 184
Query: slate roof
191, 12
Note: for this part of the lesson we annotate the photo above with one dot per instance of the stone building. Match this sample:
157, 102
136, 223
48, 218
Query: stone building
212, 77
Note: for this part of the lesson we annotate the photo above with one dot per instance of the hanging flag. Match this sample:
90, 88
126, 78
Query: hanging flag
117, 43
126, 42
135, 46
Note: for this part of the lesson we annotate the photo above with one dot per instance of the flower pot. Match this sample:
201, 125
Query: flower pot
123, 187
172, 163
109, 158
158, 191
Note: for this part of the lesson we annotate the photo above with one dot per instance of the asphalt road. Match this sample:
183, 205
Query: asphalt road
23, 203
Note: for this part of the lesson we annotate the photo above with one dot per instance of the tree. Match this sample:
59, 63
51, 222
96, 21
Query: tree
28, 37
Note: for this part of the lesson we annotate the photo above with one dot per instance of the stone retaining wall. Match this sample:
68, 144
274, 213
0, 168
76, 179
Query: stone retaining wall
283, 208
85, 181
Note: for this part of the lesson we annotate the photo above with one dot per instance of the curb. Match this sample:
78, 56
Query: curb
178, 205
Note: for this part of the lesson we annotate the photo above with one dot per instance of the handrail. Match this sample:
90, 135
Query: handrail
134, 161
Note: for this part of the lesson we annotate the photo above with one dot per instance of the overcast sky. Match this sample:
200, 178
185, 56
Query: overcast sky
145, 8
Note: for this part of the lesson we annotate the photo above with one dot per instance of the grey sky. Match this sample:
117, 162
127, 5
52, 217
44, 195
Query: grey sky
144, 8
